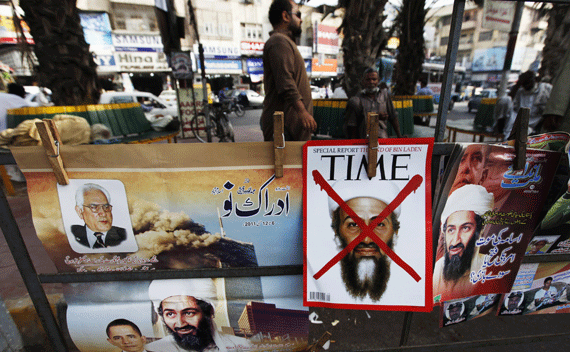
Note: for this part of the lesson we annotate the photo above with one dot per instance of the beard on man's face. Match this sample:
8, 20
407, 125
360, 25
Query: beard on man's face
190, 341
366, 275
455, 266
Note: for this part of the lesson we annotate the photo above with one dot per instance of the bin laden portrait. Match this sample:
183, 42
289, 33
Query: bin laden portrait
462, 223
365, 271
186, 307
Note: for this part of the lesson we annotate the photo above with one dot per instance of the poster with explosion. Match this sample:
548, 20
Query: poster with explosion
166, 206
205, 314
539, 288
368, 240
485, 222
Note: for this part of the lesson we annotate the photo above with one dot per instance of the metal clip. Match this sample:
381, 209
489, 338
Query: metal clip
57, 146
283, 147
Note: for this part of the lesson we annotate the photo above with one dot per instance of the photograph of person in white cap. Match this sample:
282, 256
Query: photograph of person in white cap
187, 309
366, 269
462, 223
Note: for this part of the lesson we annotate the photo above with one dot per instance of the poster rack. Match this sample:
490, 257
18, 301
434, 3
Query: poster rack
34, 281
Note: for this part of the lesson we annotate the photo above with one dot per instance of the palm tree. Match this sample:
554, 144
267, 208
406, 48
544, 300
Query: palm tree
65, 64
557, 40
364, 38
410, 28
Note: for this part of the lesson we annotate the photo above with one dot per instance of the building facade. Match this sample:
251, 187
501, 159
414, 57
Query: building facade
482, 50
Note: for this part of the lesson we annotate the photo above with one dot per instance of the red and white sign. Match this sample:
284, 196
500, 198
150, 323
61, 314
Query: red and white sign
252, 48
326, 39
498, 15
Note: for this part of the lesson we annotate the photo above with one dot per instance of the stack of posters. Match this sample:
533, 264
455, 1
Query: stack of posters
174, 206
486, 221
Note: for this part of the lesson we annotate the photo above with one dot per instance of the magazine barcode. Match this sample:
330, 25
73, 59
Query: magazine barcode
319, 296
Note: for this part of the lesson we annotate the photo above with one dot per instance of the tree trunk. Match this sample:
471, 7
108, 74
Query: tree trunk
411, 52
65, 64
364, 39
557, 40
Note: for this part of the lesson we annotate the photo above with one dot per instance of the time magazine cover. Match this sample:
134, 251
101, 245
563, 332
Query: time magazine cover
368, 240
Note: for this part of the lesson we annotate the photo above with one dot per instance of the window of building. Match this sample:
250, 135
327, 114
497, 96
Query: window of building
446, 20
485, 36
133, 18
208, 28
252, 31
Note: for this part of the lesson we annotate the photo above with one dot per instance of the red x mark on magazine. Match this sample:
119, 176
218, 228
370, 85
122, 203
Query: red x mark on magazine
368, 230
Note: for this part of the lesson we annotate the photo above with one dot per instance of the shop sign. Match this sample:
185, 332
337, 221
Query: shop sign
97, 31
252, 48
105, 61
133, 42
223, 66
498, 15
308, 66
219, 50
306, 51
255, 69
326, 39
8, 33
141, 61
325, 67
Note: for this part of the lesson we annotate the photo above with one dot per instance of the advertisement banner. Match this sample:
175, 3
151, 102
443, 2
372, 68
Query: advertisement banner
326, 39
326, 67
210, 206
8, 33
97, 31
137, 61
498, 15
255, 69
219, 50
488, 59
368, 241
222, 66
252, 48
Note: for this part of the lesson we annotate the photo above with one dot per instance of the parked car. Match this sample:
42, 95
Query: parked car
474, 102
254, 99
151, 104
169, 96
316, 93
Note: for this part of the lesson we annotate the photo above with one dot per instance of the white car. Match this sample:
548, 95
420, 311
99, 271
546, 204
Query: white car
255, 99
316, 93
151, 104
169, 96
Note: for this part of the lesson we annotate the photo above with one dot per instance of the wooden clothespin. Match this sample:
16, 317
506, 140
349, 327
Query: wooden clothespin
51, 142
278, 142
372, 132
520, 134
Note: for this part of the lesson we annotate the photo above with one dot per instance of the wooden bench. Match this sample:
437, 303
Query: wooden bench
126, 121
468, 127
329, 115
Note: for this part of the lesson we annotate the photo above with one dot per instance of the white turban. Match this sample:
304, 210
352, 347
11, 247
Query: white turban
469, 197
384, 191
202, 289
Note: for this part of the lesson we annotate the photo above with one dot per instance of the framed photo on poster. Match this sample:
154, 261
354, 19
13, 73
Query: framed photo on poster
368, 240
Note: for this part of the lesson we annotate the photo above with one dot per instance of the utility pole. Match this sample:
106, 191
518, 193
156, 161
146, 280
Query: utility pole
205, 106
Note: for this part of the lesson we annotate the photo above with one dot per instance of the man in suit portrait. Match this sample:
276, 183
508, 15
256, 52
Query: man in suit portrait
92, 204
